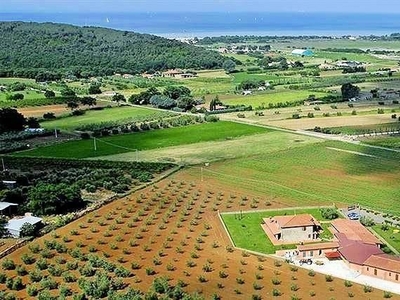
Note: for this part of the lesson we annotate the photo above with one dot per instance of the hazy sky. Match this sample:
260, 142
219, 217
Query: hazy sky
392, 6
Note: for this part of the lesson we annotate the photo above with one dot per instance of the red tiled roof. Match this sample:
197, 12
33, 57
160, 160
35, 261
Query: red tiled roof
296, 221
357, 252
384, 262
333, 254
354, 231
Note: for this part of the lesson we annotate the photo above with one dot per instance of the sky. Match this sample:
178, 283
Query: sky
64, 6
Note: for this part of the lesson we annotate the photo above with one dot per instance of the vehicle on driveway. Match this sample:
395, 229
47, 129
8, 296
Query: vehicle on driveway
353, 216
307, 261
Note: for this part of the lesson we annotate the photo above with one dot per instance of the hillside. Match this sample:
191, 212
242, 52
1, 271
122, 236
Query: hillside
31, 48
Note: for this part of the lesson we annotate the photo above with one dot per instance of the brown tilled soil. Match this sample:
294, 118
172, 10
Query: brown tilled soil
173, 228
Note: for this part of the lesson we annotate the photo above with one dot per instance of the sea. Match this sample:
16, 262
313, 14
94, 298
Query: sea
190, 25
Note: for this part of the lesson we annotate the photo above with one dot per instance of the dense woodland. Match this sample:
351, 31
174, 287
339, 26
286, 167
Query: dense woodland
46, 51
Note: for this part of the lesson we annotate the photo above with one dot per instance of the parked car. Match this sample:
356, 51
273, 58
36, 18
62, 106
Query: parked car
353, 216
307, 261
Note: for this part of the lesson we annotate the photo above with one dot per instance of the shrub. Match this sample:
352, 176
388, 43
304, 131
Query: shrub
276, 293
311, 273
329, 213
32, 290
49, 283
387, 295
3, 278
367, 289
348, 283
8, 264
312, 294
276, 281
35, 276
328, 278
21, 271
367, 221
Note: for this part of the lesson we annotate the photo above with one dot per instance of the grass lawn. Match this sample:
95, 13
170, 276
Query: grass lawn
270, 97
317, 174
105, 115
248, 234
146, 140
391, 236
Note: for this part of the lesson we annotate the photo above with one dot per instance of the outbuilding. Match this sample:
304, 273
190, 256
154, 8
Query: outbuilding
302, 52
14, 225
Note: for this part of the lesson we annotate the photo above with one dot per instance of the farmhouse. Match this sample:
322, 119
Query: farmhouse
302, 52
292, 229
14, 225
175, 73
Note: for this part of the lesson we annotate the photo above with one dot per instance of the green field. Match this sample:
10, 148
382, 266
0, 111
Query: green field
27, 95
270, 97
317, 174
246, 232
367, 128
146, 140
105, 115
392, 142
391, 236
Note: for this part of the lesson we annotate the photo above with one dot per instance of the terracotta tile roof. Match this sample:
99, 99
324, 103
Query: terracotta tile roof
357, 252
296, 221
354, 231
385, 262
272, 226
318, 246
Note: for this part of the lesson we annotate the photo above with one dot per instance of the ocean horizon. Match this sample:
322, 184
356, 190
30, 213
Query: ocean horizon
190, 25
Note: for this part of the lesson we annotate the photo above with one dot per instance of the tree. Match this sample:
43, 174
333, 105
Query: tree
175, 92
214, 102
3, 231
329, 213
374, 93
90, 101
118, 98
186, 103
144, 97
32, 122
11, 120
162, 101
229, 66
46, 199
349, 91
72, 104
27, 230
94, 88
68, 93
15, 97
49, 94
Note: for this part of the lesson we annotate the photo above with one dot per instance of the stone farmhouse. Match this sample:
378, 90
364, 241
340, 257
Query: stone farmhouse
292, 229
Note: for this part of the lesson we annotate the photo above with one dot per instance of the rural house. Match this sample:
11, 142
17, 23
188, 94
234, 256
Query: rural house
292, 229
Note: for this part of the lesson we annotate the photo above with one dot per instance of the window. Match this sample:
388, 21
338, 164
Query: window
397, 277
304, 228
367, 269
375, 272
304, 254
320, 252
309, 236
311, 253
390, 274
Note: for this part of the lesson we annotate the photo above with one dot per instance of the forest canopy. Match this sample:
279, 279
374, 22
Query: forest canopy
48, 50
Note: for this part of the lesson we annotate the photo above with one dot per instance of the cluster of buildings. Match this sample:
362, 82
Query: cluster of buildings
352, 243
172, 73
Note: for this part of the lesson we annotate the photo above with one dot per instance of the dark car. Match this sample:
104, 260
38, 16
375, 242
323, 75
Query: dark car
307, 261
353, 216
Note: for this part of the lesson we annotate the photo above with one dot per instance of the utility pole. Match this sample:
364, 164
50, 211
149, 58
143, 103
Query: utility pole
94, 144
55, 133
4, 167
